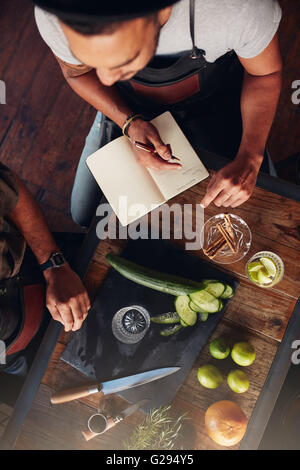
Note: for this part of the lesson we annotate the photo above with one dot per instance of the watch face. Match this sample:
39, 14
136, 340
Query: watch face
58, 259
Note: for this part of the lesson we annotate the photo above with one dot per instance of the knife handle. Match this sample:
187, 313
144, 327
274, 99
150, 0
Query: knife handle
88, 435
75, 393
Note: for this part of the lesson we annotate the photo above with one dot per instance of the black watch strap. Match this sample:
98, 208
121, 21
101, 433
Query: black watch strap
55, 261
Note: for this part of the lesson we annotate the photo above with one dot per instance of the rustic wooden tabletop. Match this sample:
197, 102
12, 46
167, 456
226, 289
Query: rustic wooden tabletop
257, 315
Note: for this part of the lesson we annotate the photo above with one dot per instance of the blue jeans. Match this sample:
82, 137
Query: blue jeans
86, 193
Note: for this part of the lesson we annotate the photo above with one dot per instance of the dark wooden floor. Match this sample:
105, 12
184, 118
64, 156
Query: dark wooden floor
44, 124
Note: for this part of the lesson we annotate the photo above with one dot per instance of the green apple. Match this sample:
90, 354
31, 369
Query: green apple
238, 381
243, 354
209, 376
219, 348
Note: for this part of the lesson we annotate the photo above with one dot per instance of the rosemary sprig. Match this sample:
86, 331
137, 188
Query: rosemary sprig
159, 431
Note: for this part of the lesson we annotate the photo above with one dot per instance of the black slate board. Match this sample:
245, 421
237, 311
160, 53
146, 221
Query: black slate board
98, 354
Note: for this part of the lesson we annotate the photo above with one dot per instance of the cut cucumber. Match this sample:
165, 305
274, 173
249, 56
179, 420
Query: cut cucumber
221, 305
183, 323
185, 313
168, 283
216, 288
166, 318
228, 292
206, 301
203, 316
196, 308
171, 330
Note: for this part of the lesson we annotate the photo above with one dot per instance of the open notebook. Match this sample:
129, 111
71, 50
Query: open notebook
133, 190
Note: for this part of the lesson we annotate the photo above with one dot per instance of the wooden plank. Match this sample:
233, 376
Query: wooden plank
12, 27
267, 314
50, 156
30, 116
19, 75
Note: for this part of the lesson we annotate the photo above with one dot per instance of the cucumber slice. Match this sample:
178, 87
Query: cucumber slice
166, 318
196, 308
183, 323
171, 330
208, 281
216, 288
203, 316
185, 313
221, 305
228, 292
203, 299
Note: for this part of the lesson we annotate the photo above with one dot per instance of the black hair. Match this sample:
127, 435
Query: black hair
99, 25
98, 16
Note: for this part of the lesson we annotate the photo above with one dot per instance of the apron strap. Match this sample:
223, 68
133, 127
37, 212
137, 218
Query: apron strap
196, 53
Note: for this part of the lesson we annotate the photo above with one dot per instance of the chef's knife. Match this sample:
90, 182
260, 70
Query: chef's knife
112, 386
88, 434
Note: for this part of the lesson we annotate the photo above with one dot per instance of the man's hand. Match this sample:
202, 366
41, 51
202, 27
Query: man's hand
234, 183
66, 297
145, 132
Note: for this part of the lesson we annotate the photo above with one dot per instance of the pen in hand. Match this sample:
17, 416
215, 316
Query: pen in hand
151, 149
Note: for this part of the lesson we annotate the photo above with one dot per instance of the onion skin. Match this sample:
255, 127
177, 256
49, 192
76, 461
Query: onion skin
225, 423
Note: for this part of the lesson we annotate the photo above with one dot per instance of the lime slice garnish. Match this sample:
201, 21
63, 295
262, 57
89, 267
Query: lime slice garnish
263, 277
269, 265
254, 266
253, 275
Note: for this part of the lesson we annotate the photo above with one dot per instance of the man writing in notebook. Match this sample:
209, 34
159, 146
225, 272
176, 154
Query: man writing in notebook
215, 65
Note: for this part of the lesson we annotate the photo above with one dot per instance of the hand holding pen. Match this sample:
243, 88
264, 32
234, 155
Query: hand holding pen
149, 149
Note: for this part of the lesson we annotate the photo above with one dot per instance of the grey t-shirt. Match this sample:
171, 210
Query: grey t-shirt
245, 26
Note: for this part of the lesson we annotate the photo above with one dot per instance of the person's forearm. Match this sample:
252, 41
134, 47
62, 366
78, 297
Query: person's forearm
106, 99
259, 100
28, 218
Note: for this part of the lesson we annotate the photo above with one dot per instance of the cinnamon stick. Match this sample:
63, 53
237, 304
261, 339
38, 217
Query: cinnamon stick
229, 228
227, 237
213, 250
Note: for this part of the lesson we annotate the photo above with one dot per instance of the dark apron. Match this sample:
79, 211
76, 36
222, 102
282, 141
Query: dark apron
190, 68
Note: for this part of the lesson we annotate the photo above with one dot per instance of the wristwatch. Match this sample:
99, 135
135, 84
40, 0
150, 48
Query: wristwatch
55, 261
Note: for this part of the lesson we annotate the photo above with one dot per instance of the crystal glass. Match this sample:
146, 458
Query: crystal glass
130, 324
276, 260
210, 233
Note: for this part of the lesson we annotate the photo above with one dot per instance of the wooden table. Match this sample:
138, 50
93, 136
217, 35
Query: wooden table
254, 314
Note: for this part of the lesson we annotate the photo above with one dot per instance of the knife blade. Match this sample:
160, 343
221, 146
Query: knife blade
112, 386
132, 408
118, 385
